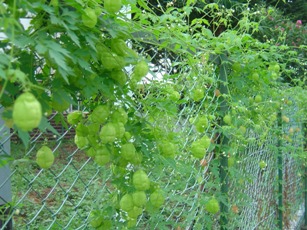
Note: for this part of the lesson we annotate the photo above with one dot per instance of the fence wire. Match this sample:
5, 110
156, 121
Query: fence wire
64, 196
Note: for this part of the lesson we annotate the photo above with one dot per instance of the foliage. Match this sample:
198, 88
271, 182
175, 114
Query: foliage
83, 51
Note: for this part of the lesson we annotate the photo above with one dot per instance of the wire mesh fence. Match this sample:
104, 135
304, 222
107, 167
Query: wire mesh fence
64, 196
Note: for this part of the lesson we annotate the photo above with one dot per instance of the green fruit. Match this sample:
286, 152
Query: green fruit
167, 149
174, 95
236, 67
102, 159
135, 212
93, 140
74, 117
127, 136
93, 129
258, 98
102, 150
139, 198
27, 112
100, 114
201, 124
255, 76
199, 147
157, 199
112, 6
131, 223
111, 61
276, 68
89, 17
82, 130
212, 206
128, 151
197, 150
108, 133
119, 47
274, 75
119, 76
126, 203
198, 94
262, 164
91, 152
137, 159
95, 219
120, 129
227, 119
231, 161
44, 157
205, 141
81, 142
140, 180
119, 115
285, 119
242, 129
140, 70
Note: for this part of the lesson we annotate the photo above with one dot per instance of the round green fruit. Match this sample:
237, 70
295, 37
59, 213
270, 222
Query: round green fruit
89, 17
44, 157
199, 147
236, 67
102, 159
81, 142
140, 180
111, 61
242, 129
157, 199
231, 161
119, 115
120, 129
262, 164
74, 117
100, 114
255, 76
227, 119
108, 133
201, 124
212, 206
27, 112
128, 151
198, 94
285, 119
258, 98
119, 76
126, 203
95, 219
140, 70
167, 149
139, 198
135, 212
112, 6
82, 130
119, 47
198, 150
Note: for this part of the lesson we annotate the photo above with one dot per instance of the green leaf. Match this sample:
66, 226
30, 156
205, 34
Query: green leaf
24, 136
5, 159
45, 125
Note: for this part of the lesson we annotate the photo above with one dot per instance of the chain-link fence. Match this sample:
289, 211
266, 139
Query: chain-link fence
265, 188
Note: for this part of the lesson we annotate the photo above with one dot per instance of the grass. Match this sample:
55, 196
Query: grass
58, 198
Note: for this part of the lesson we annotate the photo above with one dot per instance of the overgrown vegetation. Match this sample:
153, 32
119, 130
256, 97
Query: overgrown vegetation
175, 84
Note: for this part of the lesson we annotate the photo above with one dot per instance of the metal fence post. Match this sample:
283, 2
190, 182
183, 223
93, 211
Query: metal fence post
5, 183
280, 170
223, 141
305, 169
